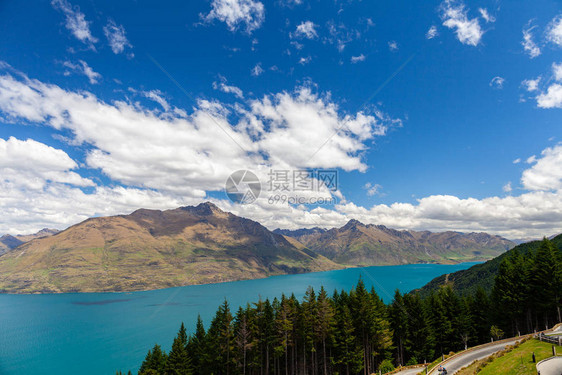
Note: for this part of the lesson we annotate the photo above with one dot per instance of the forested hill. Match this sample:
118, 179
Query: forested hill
354, 332
482, 275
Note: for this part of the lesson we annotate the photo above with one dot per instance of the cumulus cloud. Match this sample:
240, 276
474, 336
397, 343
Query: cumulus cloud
116, 37
546, 172
507, 187
497, 82
372, 189
306, 30
82, 68
393, 46
554, 31
223, 86
31, 164
552, 98
191, 154
455, 16
431, 33
236, 13
531, 84
164, 160
75, 22
529, 46
158, 97
356, 59
517, 161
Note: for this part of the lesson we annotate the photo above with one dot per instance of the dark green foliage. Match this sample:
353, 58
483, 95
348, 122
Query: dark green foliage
482, 275
356, 333
154, 362
179, 362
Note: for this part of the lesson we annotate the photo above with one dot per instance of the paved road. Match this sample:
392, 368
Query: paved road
467, 358
556, 332
551, 367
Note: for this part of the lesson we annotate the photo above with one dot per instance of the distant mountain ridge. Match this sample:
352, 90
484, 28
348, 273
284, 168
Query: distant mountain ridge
9, 242
361, 244
151, 249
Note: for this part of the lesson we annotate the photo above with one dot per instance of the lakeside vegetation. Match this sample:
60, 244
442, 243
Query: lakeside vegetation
356, 333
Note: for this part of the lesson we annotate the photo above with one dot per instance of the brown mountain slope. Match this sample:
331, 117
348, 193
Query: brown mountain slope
9, 242
367, 245
151, 249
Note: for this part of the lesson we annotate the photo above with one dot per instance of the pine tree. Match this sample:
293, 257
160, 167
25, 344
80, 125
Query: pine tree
155, 361
196, 347
243, 336
399, 323
349, 352
178, 362
325, 325
545, 283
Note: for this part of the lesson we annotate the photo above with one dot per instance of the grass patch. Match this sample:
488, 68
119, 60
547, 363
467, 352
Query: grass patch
519, 360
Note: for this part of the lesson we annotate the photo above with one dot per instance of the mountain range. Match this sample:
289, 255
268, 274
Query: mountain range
9, 242
152, 249
359, 244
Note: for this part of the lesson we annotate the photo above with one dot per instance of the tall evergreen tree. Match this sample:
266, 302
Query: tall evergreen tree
179, 362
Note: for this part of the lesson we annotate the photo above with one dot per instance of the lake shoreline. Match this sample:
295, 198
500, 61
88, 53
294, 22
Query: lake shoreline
344, 267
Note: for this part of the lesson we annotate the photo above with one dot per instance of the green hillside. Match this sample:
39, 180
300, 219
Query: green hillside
480, 275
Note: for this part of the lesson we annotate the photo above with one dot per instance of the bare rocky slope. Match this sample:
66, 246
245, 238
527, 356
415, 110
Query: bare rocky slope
151, 249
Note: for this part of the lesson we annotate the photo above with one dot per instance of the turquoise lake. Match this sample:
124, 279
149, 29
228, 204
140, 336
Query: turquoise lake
99, 333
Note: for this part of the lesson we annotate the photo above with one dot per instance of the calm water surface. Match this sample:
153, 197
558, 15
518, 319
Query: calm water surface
99, 333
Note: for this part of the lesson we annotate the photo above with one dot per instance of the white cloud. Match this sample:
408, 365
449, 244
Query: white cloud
432, 32
372, 189
116, 37
356, 59
546, 173
236, 13
497, 82
486, 16
83, 68
528, 44
31, 164
517, 161
454, 16
507, 187
552, 98
305, 60
554, 31
229, 89
393, 46
257, 70
75, 22
307, 30
157, 96
190, 154
340, 35
290, 3
557, 71
531, 84
167, 160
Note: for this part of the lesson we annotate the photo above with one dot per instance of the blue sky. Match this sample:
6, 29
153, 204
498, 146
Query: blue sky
434, 101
